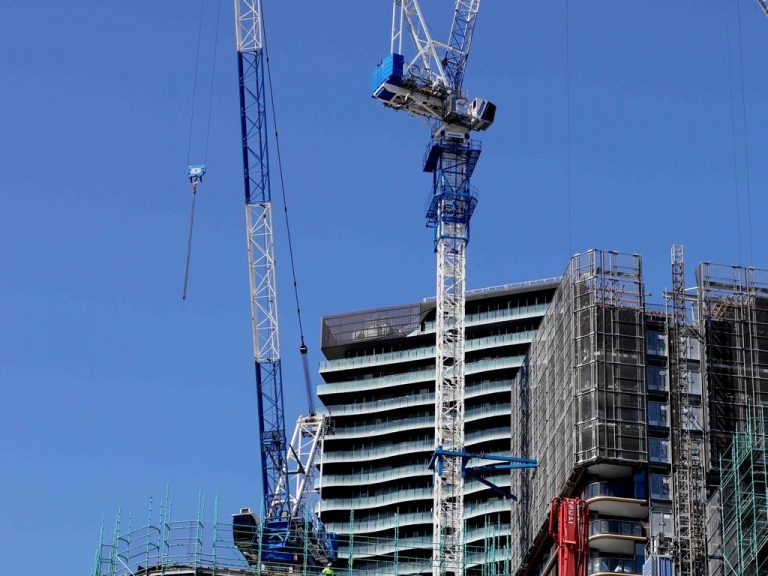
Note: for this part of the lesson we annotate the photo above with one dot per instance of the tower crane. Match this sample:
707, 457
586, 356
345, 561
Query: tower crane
763, 5
428, 85
288, 528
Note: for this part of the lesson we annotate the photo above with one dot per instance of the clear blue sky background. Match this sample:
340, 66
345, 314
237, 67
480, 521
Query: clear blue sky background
112, 387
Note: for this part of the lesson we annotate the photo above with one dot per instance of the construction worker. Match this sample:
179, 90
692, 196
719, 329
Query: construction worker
328, 571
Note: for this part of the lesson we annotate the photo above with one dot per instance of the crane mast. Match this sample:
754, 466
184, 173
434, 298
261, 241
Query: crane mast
763, 5
429, 85
261, 254
287, 469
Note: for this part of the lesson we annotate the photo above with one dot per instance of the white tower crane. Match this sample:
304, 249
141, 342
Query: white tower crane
428, 84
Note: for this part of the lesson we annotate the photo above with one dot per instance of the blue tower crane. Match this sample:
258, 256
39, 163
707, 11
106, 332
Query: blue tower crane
287, 530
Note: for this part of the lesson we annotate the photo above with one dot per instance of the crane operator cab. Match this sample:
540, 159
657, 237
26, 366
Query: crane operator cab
483, 111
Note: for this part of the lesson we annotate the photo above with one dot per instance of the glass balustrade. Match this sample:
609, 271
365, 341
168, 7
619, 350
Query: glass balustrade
610, 489
613, 565
366, 405
618, 527
412, 377
372, 451
426, 352
400, 424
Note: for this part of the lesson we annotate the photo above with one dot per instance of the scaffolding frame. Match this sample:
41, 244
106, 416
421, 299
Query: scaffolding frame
733, 312
580, 397
165, 546
744, 499
687, 443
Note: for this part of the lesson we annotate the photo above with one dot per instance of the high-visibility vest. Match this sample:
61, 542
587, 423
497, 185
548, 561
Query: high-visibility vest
328, 571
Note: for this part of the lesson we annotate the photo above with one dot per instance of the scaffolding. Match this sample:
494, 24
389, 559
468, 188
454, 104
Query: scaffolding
579, 399
687, 441
744, 500
164, 546
733, 312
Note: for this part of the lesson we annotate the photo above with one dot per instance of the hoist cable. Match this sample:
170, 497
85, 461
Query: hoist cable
303, 347
213, 78
746, 138
568, 122
733, 129
194, 82
189, 241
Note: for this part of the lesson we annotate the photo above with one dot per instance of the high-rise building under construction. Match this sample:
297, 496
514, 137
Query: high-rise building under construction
379, 377
607, 391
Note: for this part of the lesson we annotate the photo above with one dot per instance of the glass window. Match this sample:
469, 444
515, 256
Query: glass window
661, 486
694, 382
695, 419
657, 414
693, 349
656, 343
656, 379
659, 449
661, 524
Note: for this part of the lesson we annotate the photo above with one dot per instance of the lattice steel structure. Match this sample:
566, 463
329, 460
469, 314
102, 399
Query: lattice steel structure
429, 84
687, 442
744, 500
165, 546
579, 402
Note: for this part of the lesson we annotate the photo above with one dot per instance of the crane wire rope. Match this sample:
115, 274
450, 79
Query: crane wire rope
568, 123
303, 347
733, 129
745, 134
194, 179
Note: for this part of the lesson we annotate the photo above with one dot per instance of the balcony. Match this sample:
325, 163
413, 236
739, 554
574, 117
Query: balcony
473, 344
377, 450
615, 536
416, 376
372, 404
390, 426
611, 566
614, 499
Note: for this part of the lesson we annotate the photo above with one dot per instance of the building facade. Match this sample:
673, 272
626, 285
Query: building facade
378, 387
580, 373
593, 404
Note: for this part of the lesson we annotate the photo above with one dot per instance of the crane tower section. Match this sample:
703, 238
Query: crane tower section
428, 84
261, 256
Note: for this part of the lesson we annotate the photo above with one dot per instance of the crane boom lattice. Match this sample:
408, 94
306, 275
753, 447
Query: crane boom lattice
287, 469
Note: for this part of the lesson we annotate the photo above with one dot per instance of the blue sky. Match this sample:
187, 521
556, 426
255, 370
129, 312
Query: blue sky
113, 387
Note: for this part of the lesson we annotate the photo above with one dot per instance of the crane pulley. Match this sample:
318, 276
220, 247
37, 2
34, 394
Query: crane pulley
195, 172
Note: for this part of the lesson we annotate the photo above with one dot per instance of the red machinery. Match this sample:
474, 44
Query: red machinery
568, 526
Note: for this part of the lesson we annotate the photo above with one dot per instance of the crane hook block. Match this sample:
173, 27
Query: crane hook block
196, 172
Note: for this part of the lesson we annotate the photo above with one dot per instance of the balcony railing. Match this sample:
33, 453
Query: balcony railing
368, 405
424, 375
617, 527
399, 424
607, 564
524, 337
375, 451
609, 489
